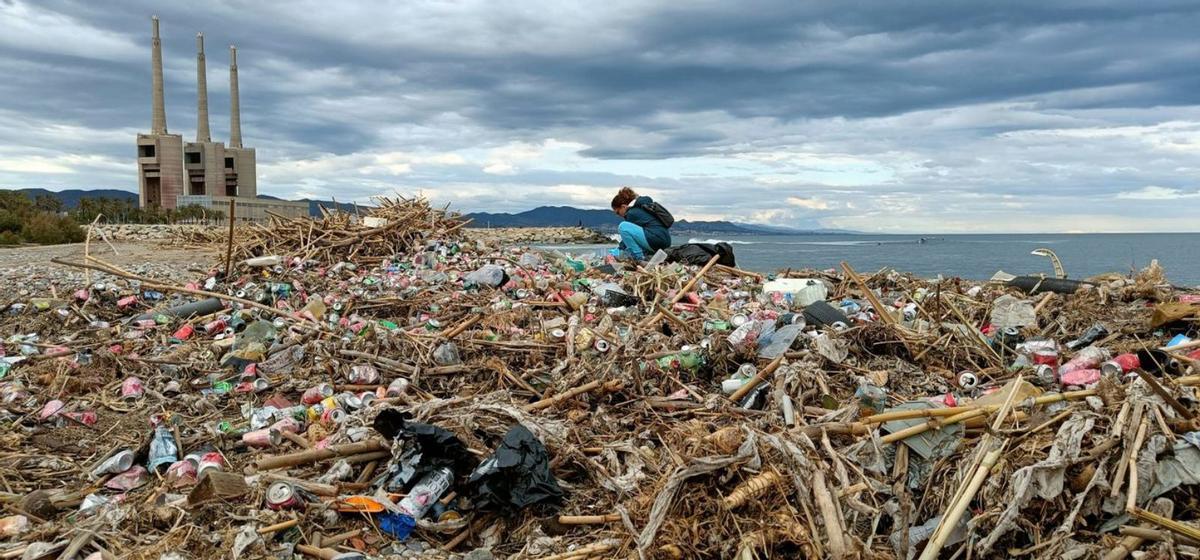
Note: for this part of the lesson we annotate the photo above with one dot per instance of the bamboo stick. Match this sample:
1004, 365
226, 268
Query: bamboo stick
279, 526
952, 410
758, 378
314, 455
316, 552
911, 431
585, 388
589, 519
950, 520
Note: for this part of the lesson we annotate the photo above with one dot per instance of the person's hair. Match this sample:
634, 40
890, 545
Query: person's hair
624, 196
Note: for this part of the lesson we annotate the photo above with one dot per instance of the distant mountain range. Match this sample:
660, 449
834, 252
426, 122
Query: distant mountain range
606, 220
70, 198
542, 216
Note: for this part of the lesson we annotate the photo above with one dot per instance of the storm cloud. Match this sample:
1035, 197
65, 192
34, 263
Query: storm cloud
875, 116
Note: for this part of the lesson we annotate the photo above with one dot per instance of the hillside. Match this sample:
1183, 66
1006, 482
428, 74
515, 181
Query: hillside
542, 216
606, 220
71, 197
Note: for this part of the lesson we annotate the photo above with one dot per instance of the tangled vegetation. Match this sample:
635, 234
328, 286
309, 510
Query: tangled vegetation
45, 221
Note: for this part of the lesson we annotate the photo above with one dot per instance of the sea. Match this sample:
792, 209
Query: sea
972, 257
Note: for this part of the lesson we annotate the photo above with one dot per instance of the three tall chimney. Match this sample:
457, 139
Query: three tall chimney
202, 133
235, 111
158, 124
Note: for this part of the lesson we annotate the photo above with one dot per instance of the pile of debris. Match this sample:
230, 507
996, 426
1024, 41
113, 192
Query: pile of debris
387, 389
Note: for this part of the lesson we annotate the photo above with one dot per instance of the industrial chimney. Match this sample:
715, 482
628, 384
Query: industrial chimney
235, 111
158, 124
202, 133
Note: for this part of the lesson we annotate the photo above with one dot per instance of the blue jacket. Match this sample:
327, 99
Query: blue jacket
656, 233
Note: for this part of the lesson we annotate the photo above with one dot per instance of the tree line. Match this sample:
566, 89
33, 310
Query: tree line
45, 220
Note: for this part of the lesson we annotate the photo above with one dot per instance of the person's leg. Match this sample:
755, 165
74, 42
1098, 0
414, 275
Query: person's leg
633, 237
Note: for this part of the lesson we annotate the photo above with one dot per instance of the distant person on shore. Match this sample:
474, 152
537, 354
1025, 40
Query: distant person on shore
646, 224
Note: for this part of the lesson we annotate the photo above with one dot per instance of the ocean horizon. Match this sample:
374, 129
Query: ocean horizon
969, 256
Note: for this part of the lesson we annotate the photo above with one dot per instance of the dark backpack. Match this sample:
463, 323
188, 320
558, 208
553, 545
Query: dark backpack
659, 212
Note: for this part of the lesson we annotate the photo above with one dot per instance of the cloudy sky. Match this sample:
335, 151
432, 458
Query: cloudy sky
1020, 116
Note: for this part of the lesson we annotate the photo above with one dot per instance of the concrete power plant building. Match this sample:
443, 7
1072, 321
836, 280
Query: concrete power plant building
172, 173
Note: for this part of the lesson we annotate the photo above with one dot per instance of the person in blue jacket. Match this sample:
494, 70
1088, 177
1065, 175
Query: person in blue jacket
646, 225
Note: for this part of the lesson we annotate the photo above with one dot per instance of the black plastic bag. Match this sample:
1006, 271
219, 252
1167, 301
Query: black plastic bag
516, 476
435, 447
820, 314
700, 253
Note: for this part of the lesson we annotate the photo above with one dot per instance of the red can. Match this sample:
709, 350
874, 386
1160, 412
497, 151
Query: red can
86, 417
126, 301
281, 495
287, 425
185, 332
214, 327
1045, 357
209, 461
131, 388
1120, 365
267, 437
333, 416
316, 394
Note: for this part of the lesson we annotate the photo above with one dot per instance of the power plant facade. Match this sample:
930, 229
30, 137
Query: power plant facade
174, 173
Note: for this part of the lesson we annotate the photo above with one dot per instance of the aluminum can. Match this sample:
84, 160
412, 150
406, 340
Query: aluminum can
1121, 364
281, 496
314, 395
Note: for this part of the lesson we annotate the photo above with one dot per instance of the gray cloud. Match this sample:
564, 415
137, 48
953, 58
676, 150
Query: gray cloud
880, 115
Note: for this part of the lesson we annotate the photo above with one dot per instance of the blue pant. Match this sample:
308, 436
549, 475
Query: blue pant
633, 239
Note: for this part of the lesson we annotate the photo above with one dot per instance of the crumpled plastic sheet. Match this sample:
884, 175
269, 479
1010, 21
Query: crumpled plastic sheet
517, 475
1088, 501
833, 349
1043, 479
1182, 467
283, 361
245, 538
748, 451
629, 464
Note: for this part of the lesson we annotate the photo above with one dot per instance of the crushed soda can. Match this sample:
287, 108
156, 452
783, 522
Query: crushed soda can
131, 388
126, 301
287, 425
208, 462
1121, 364
363, 374
51, 408
215, 326
316, 394
333, 416
181, 473
397, 387
281, 496
267, 437
183, 333
85, 417
256, 385
128, 480
120, 461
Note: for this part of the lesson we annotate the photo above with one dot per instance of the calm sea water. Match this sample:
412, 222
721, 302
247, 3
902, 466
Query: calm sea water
968, 256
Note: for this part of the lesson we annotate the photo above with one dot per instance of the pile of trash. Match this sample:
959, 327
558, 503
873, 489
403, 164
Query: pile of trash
384, 388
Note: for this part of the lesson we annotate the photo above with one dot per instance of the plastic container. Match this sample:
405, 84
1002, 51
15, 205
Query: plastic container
798, 292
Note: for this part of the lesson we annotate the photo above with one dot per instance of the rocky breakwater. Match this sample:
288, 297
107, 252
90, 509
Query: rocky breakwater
145, 232
538, 235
